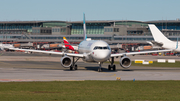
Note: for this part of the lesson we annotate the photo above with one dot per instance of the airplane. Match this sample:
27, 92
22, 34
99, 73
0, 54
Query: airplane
5, 46
97, 51
162, 41
68, 46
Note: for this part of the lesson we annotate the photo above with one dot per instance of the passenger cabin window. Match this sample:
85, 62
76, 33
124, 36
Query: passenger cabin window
101, 48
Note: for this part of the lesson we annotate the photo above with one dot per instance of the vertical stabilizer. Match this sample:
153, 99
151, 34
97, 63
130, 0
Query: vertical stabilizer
177, 44
67, 45
65, 40
157, 34
84, 27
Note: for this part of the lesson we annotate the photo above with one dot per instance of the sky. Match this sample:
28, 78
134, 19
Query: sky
72, 10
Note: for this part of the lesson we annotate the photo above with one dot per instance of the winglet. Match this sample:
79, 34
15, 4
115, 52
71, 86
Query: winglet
84, 27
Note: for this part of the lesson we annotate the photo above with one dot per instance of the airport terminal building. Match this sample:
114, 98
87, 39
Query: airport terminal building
114, 32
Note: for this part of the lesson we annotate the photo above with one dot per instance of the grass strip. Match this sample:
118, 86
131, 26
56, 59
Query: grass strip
91, 91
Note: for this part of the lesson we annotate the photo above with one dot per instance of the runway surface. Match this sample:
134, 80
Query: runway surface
48, 68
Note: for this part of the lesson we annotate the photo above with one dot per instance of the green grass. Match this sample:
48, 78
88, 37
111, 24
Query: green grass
91, 91
156, 64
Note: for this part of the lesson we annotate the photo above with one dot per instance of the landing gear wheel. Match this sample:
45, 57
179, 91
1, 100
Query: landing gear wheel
114, 67
99, 70
109, 67
75, 67
71, 68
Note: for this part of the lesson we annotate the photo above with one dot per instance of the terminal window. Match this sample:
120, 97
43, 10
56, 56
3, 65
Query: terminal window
116, 29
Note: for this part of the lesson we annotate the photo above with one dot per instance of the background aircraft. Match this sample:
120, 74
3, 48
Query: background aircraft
68, 46
6, 46
92, 51
161, 40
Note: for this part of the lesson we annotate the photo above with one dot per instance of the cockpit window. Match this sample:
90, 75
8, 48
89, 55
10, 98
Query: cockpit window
105, 47
101, 48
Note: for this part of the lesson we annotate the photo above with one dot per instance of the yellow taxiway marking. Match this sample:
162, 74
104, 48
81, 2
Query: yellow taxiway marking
113, 75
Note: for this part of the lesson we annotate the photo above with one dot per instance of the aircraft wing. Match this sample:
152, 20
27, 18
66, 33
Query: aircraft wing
143, 52
48, 52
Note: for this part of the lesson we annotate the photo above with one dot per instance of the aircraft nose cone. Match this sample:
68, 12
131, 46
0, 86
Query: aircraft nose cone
101, 56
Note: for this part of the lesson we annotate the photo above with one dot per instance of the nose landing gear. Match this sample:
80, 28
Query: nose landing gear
100, 69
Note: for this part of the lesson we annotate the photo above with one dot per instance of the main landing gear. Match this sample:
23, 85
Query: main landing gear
74, 66
112, 66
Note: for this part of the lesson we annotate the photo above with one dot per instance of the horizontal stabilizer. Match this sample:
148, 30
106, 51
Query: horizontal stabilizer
157, 43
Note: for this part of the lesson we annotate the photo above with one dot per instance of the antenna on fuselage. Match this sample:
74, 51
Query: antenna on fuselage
84, 27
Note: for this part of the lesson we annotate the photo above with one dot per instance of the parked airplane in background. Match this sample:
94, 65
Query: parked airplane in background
68, 46
161, 41
6, 46
92, 51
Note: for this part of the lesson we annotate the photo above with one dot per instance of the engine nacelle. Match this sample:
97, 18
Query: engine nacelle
125, 62
66, 61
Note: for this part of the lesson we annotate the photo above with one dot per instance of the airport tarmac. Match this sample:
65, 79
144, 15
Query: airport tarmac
32, 67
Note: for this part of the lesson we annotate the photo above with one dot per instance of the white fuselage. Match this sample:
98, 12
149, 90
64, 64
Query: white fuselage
94, 51
171, 45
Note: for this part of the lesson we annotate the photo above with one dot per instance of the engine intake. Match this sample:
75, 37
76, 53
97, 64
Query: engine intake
125, 62
66, 61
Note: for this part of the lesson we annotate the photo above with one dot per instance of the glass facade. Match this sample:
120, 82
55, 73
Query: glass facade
17, 26
28, 26
134, 32
134, 39
55, 24
36, 31
58, 29
11, 37
170, 26
12, 31
108, 29
58, 37
130, 23
117, 39
92, 37
91, 28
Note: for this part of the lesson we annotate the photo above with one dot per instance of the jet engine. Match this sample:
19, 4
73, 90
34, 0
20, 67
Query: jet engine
66, 61
125, 62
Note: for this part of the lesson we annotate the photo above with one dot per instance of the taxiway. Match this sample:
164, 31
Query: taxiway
25, 67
